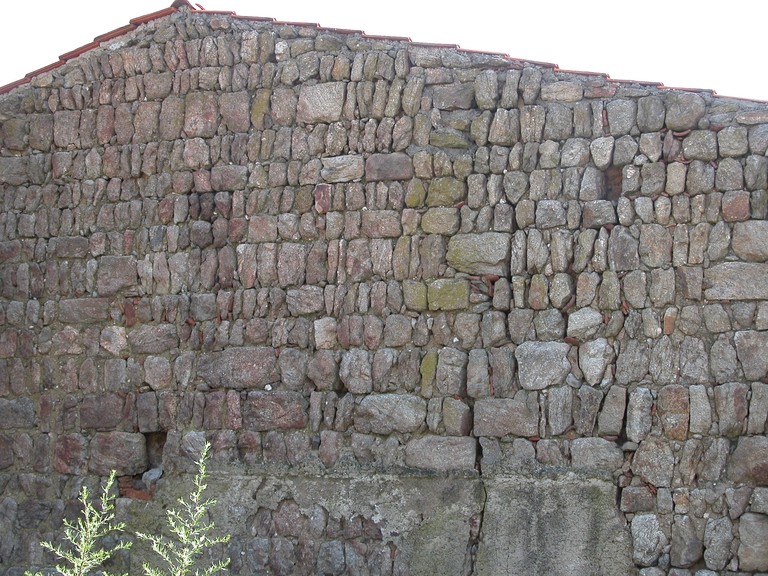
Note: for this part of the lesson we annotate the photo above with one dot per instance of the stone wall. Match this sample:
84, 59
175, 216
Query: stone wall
437, 312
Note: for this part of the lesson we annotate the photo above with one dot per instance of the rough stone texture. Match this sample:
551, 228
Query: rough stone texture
115, 274
121, 451
753, 549
320, 103
718, 535
385, 413
436, 453
480, 253
686, 546
346, 260
749, 462
501, 416
542, 364
239, 368
750, 239
648, 539
594, 357
445, 191
673, 407
596, 454
639, 418
397, 166
750, 347
737, 281
343, 168
448, 294
654, 462
355, 372
18, 413
274, 410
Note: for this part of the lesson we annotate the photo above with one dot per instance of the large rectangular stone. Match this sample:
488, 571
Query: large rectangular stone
239, 368
115, 273
83, 310
13, 170
232, 177
736, 281
397, 166
10, 251
101, 411
320, 102
202, 115
343, 168
498, 417
448, 294
386, 413
542, 364
381, 224
480, 253
440, 453
17, 413
121, 451
751, 347
454, 97
153, 339
72, 246
274, 411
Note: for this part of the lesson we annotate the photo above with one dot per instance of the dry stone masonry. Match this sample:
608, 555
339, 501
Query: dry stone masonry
437, 311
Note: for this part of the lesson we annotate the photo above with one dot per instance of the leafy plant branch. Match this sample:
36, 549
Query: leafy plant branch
190, 529
84, 552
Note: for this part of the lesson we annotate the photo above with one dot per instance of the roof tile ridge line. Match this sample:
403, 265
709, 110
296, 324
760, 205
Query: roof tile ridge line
153, 15
314, 25
44, 69
15, 84
362, 33
255, 18
342, 30
712, 90
581, 72
641, 82
716, 95
97, 41
114, 33
384, 37
216, 12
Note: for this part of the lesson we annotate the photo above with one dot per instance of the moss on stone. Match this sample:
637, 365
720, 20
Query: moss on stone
415, 194
415, 295
428, 369
446, 191
448, 294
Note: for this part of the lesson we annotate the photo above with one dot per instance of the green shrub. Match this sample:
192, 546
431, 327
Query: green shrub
84, 552
190, 532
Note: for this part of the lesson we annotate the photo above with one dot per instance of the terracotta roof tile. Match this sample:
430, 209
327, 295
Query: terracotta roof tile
114, 33
78, 51
154, 15
197, 8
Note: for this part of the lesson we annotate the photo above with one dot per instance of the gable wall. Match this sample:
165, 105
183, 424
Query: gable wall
398, 287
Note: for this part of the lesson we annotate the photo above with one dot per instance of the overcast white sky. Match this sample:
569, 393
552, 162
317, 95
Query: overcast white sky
679, 44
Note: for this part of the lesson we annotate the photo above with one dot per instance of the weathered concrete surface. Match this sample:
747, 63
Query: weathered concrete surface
427, 523
563, 525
